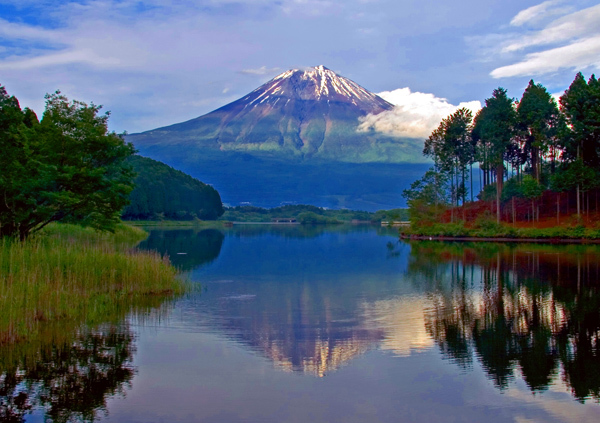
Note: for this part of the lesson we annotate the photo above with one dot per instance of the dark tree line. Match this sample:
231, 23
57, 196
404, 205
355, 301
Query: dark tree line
522, 148
162, 192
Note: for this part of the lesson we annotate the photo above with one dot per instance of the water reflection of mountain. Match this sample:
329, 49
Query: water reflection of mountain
186, 248
70, 382
535, 309
300, 327
309, 305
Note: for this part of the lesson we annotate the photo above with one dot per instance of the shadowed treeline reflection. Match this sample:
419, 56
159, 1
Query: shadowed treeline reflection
528, 309
186, 248
69, 381
71, 368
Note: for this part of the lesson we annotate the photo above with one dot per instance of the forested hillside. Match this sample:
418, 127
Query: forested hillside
162, 192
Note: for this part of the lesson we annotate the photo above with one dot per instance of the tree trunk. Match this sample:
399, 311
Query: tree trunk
499, 183
471, 169
588, 203
558, 208
578, 202
534, 161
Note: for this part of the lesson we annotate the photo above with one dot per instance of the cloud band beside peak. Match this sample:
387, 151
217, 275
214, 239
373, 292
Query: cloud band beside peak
415, 114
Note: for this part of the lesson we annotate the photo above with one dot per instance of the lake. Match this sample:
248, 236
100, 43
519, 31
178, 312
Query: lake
345, 324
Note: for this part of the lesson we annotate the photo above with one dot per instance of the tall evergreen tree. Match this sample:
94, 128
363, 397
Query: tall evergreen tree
581, 106
538, 124
495, 127
451, 148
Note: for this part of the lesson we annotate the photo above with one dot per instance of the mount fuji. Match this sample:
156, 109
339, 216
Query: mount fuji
295, 139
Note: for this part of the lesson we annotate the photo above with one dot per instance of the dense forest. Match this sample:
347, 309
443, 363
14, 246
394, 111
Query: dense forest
162, 192
533, 155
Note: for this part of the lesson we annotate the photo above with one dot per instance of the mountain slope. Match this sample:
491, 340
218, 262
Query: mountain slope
300, 114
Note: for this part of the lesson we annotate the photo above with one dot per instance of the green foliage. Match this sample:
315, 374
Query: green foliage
68, 167
456, 229
259, 214
488, 193
452, 149
162, 192
432, 188
494, 127
393, 215
581, 106
310, 218
531, 188
428, 197
539, 124
573, 175
487, 227
512, 189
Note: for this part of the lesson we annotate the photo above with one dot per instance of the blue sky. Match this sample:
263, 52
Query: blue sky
158, 62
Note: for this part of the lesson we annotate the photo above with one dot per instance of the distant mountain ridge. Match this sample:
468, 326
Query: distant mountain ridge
301, 114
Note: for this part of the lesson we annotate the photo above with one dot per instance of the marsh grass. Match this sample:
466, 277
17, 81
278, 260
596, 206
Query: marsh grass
72, 276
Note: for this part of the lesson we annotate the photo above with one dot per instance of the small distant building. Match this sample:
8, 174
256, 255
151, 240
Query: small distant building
283, 220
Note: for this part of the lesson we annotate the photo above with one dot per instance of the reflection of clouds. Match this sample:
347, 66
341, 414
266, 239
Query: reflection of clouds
401, 320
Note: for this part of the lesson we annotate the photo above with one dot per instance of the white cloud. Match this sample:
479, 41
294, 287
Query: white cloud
573, 26
569, 42
535, 14
578, 56
68, 57
415, 114
24, 32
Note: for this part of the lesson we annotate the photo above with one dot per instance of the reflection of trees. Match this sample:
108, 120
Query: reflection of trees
535, 308
71, 382
198, 247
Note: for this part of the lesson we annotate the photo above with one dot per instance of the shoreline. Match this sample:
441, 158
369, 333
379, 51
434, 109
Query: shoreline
500, 239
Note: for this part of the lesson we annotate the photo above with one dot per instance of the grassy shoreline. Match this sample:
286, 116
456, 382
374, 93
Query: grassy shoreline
492, 231
77, 275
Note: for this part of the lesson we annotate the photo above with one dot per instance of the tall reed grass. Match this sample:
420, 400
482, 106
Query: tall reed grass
77, 275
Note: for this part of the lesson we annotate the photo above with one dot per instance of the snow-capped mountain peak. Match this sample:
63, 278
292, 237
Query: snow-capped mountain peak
317, 83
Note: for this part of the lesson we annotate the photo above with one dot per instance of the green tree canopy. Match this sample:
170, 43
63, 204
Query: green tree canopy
581, 105
451, 148
66, 167
538, 123
494, 127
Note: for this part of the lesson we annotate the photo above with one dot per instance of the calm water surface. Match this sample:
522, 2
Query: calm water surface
342, 324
